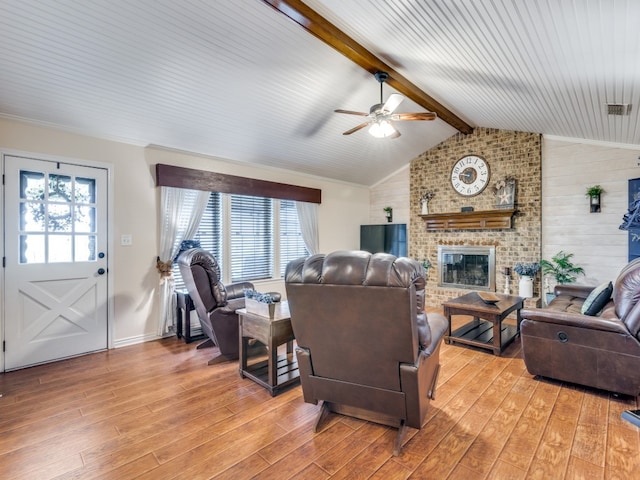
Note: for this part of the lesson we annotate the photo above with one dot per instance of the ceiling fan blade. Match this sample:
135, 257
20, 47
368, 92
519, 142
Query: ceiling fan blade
414, 116
392, 102
351, 112
355, 129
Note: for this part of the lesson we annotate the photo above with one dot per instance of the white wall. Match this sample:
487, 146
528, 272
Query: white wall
392, 192
569, 167
136, 200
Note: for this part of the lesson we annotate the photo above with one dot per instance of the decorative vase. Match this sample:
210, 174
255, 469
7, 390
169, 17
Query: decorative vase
525, 287
425, 208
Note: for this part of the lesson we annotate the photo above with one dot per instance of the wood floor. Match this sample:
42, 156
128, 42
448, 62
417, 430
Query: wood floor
157, 411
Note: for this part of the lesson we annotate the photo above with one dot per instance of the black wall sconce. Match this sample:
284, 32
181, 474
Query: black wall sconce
388, 212
594, 198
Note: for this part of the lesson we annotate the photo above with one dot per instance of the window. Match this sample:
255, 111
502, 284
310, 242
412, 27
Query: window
57, 218
252, 238
291, 243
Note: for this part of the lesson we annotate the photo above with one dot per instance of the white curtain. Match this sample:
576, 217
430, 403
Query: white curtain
181, 211
308, 219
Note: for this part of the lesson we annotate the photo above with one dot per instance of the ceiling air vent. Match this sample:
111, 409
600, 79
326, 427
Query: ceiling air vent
618, 109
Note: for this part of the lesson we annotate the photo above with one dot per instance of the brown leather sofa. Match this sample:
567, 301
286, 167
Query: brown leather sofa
215, 303
602, 351
364, 344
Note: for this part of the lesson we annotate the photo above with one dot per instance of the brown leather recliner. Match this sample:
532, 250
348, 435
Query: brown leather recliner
215, 303
597, 351
364, 344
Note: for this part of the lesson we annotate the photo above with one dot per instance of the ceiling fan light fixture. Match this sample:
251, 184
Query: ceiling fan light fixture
382, 129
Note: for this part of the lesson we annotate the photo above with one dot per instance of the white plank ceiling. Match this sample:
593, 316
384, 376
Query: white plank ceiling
238, 80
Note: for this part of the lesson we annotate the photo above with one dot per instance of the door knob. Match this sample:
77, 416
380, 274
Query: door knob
101, 271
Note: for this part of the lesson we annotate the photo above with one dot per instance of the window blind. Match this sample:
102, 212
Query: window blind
251, 238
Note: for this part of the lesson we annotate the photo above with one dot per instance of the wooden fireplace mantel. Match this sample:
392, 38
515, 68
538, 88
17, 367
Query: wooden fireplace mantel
481, 220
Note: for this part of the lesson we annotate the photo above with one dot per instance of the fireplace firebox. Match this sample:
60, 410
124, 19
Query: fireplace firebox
468, 267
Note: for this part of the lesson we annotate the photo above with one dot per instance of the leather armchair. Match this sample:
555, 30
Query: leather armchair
365, 346
597, 351
215, 303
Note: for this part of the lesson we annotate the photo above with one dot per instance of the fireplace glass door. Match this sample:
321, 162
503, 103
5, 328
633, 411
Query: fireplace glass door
471, 268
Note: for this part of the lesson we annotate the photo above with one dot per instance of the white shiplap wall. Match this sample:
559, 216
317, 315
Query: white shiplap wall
568, 167
391, 192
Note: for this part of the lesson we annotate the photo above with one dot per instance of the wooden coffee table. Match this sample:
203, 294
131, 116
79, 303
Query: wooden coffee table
278, 371
486, 330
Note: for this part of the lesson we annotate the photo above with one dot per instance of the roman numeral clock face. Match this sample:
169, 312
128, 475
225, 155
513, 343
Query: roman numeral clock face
470, 175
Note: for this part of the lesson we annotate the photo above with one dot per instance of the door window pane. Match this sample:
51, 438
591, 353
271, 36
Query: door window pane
85, 190
32, 248
31, 185
60, 248
52, 204
85, 248
32, 216
85, 219
59, 217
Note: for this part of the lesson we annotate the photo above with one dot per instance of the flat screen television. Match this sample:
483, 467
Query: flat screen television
389, 238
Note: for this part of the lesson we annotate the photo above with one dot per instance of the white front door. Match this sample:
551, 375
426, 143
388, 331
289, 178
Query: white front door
55, 260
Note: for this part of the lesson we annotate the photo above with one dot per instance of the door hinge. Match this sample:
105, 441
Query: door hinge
4, 262
4, 346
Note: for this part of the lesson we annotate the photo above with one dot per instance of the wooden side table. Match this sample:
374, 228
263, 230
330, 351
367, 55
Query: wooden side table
489, 333
277, 371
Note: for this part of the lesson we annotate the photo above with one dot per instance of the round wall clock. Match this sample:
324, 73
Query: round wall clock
470, 175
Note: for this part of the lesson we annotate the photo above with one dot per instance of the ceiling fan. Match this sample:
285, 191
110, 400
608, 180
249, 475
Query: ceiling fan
381, 116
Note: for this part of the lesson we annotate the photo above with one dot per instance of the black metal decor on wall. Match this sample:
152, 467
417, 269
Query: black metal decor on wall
634, 224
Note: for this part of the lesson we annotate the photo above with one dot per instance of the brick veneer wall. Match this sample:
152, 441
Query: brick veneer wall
508, 153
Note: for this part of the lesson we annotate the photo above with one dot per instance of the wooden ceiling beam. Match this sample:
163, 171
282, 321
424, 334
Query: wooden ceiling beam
324, 30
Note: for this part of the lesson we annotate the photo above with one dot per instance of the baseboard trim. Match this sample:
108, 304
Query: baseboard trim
125, 342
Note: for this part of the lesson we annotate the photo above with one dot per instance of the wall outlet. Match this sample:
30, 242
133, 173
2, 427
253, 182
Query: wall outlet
126, 240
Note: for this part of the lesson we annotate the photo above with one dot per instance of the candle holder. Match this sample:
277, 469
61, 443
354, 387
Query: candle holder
507, 281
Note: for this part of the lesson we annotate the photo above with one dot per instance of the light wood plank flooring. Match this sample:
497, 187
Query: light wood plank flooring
157, 411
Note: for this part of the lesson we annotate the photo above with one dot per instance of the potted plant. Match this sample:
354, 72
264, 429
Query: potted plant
426, 263
526, 271
562, 269
388, 211
263, 304
594, 197
424, 201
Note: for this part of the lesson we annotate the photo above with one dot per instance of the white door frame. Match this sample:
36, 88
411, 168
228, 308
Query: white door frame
110, 227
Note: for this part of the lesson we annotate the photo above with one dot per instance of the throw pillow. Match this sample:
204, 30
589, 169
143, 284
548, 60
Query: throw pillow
597, 299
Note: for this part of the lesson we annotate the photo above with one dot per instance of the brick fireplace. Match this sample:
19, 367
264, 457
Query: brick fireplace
508, 153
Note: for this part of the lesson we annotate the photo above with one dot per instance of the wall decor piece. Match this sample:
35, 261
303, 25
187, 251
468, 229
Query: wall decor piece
388, 212
505, 192
424, 201
470, 175
594, 198
633, 224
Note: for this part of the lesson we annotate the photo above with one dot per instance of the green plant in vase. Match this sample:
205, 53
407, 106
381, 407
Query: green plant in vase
562, 269
594, 197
